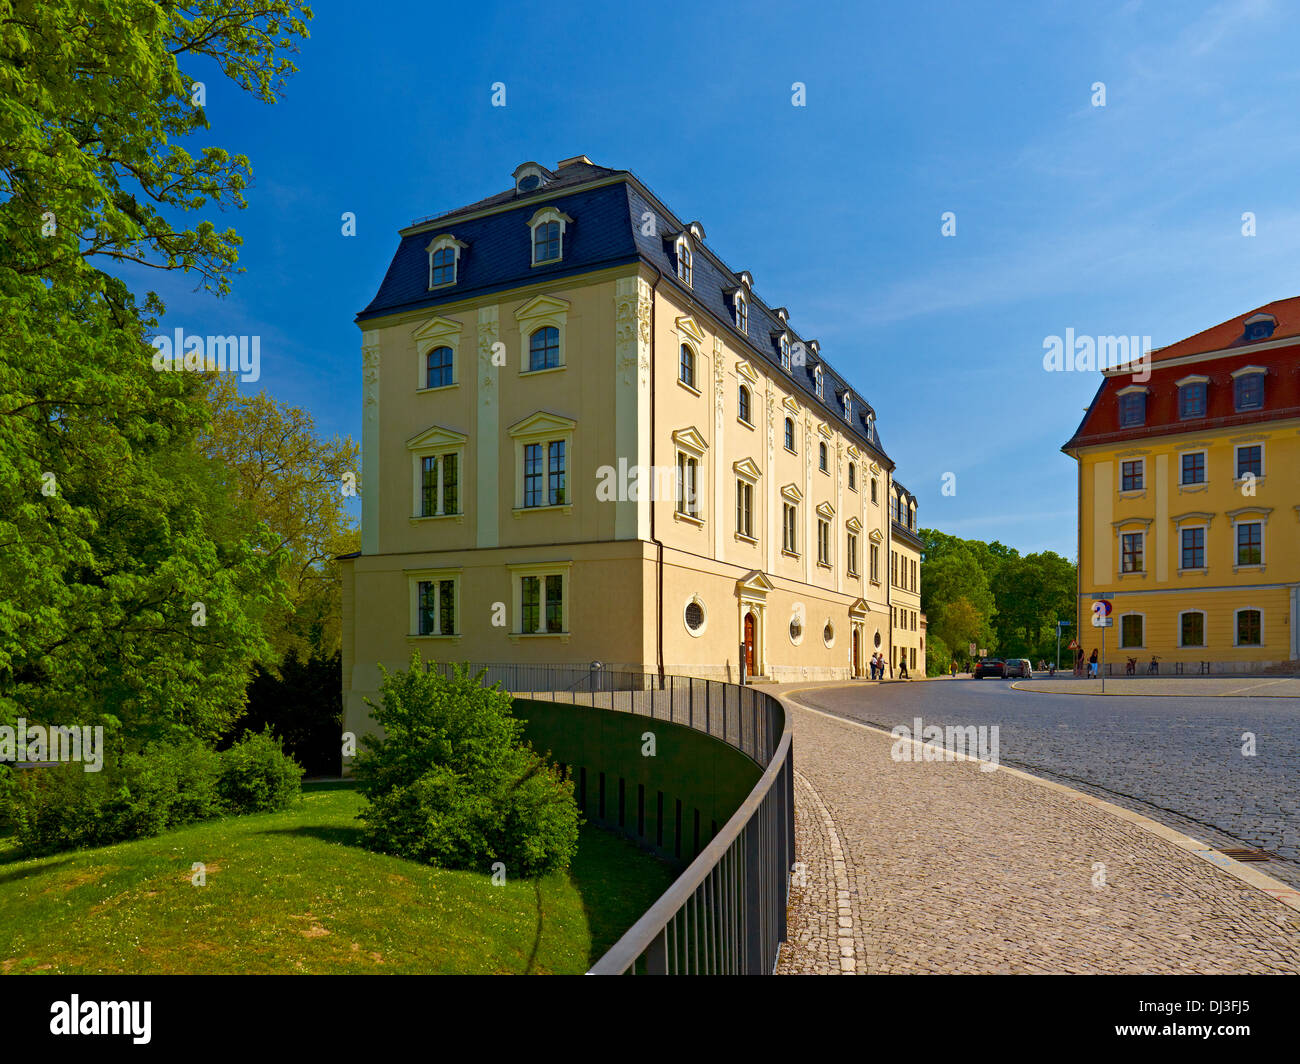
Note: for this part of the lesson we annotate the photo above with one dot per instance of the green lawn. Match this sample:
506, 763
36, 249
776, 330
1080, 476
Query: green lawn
295, 892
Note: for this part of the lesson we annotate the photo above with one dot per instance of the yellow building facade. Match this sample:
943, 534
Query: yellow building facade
1189, 501
586, 439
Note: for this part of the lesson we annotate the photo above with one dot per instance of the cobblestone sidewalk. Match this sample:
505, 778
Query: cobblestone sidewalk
937, 867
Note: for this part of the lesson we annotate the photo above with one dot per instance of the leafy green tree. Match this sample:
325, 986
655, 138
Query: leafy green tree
124, 593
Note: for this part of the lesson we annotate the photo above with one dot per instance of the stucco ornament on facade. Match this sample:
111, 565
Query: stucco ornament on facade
487, 337
632, 330
370, 374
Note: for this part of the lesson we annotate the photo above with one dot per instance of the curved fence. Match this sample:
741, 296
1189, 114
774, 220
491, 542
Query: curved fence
726, 912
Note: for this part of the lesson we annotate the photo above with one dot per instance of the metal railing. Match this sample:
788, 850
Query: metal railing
726, 912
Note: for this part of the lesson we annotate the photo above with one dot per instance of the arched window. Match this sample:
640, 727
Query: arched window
684, 262
1191, 628
444, 267
744, 404
546, 242
821, 457
817, 378
1250, 628
686, 372
785, 353
544, 348
874, 496
438, 371
853, 477
742, 312
789, 434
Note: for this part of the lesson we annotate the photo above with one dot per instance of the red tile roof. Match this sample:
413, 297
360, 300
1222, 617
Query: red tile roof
1231, 333
1100, 425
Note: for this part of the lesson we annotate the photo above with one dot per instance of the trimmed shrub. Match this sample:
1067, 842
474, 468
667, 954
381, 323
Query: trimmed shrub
453, 782
257, 776
138, 793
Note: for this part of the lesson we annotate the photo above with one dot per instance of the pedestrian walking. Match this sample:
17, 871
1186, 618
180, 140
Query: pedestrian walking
1092, 665
953, 669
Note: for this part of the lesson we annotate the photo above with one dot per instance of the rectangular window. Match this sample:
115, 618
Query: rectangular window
446, 607
745, 508
428, 486
1250, 543
789, 541
913, 564
911, 653
824, 542
875, 563
1130, 630
1191, 400
1131, 475
1249, 628
425, 608
853, 554
1192, 630
555, 603
450, 484
439, 485
1193, 468
1131, 552
1132, 409
438, 368
1248, 391
556, 474
1193, 548
687, 486
1250, 460
530, 604
532, 474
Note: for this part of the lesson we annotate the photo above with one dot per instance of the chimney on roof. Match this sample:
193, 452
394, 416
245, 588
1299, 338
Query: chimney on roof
575, 159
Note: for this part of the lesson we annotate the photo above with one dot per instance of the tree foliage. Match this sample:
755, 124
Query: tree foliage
991, 595
113, 525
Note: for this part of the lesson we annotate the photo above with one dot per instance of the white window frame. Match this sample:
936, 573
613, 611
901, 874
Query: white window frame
785, 351
541, 570
1263, 460
542, 216
1119, 480
435, 333
538, 313
1263, 639
1119, 635
1194, 483
544, 427
415, 577
1121, 533
1250, 515
1250, 371
687, 263
433, 443
442, 243
1191, 526
1205, 630
740, 308
748, 473
818, 381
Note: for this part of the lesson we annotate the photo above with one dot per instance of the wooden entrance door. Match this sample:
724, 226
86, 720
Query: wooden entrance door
749, 644
857, 660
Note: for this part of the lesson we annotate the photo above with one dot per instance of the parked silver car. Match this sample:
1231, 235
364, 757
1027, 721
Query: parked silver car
1019, 667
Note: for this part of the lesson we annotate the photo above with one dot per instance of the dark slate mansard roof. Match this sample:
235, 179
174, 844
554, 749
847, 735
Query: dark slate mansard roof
606, 231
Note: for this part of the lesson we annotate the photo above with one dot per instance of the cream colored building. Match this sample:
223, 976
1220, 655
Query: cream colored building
586, 439
907, 620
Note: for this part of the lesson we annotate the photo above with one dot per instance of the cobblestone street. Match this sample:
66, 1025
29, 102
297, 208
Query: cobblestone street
938, 867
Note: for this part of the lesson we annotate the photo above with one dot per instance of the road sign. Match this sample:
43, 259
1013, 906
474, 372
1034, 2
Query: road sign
1103, 622
1074, 645
984, 653
1101, 609
1102, 596
972, 649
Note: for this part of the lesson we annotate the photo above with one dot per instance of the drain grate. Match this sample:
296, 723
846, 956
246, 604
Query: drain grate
1248, 855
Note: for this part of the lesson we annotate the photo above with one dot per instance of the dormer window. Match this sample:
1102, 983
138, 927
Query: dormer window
1132, 407
848, 407
1248, 388
548, 227
529, 177
785, 352
1260, 326
1192, 392
817, 380
685, 261
742, 312
444, 258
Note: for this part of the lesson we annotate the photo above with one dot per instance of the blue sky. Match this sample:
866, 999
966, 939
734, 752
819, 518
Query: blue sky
1123, 219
